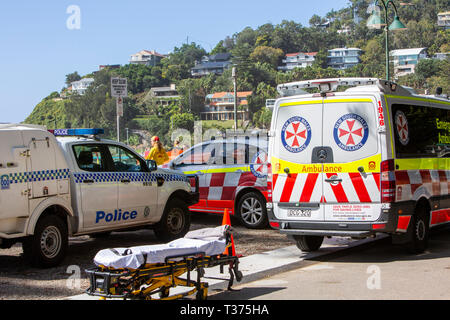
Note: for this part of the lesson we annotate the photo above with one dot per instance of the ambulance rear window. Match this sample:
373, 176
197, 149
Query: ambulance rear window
421, 132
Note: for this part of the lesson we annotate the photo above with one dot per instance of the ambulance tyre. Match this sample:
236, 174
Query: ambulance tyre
420, 231
308, 243
175, 222
47, 247
252, 211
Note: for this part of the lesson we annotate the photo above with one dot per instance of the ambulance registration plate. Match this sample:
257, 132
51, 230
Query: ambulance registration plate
300, 213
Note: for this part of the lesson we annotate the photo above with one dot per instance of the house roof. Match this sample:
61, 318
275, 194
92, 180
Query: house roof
241, 94
211, 65
297, 53
145, 52
405, 52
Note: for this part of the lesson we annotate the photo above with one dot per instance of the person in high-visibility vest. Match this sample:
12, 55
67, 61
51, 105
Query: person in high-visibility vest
157, 153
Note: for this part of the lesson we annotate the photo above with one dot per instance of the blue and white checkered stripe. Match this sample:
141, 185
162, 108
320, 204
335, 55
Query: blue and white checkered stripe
102, 177
44, 175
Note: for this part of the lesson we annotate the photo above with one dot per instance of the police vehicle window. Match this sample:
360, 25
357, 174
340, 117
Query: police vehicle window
125, 161
197, 155
90, 157
421, 132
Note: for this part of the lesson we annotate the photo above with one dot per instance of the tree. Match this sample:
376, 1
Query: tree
267, 55
71, 77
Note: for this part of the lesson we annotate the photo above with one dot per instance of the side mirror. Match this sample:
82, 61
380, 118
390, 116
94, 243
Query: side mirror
151, 164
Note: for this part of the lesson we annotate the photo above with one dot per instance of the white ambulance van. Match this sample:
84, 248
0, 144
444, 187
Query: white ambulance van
374, 157
77, 184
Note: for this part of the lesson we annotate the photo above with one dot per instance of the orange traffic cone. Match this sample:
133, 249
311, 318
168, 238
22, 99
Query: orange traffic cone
226, 221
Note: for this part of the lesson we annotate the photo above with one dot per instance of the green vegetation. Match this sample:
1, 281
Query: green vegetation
256, 53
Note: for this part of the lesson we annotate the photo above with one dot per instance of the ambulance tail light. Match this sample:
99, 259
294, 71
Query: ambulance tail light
269, 182
387, 181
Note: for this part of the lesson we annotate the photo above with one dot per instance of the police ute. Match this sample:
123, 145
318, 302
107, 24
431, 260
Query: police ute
69, 182
373, 157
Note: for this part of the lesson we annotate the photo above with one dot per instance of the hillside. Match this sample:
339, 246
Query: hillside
256, 53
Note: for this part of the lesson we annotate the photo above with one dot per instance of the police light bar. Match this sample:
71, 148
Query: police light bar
325, 85
76, 132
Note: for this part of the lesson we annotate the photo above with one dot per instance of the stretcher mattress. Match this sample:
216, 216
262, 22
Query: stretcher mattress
210, 241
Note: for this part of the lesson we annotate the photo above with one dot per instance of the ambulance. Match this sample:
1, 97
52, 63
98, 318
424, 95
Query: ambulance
69, 182
372, 157
232, 174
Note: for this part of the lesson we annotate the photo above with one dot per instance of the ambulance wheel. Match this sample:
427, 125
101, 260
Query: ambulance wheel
252, 211
48, 246
175, 222
308, 243
420, 231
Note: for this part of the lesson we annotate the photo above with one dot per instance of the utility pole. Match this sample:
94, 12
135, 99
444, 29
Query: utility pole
233, 75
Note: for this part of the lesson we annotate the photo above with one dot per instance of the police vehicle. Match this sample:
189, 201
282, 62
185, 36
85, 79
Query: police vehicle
372, 158
77, 184
232, 174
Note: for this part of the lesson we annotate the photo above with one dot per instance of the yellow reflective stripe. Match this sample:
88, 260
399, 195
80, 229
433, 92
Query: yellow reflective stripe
418, 99
391, 133
287, 104
370, 164
234, 169
298, 103
423, 164
346, 100
218, 170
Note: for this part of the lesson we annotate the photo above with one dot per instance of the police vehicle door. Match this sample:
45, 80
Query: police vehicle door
138, 189
98, 189
351, 179
14, 190
296, 168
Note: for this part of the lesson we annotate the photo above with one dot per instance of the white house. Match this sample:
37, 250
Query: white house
343, 58
81, 86
298, 60
405, 60
146, 57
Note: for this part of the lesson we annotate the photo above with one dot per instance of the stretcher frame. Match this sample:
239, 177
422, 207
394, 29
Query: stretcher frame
159, 278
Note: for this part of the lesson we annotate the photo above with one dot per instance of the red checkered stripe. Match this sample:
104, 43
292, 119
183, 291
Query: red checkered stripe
431, 182
306, 188
225, 185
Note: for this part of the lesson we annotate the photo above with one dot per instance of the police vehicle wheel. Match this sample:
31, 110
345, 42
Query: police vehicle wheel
252, 211
48, 246
308, 243
175, 222
420, 231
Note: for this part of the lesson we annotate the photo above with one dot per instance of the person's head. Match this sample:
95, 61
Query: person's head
155, 142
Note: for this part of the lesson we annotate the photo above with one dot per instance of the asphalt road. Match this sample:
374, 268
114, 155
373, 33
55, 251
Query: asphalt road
378, 272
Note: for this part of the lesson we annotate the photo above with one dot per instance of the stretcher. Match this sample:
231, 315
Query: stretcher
149, 272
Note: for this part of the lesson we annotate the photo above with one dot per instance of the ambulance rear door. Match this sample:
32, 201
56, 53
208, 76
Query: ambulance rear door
351, 171
296, 179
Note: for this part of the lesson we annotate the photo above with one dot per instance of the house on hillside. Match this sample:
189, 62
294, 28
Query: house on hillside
163, 95
81, 86
216, 64
297, 60
343, 58
405, 60
443, 20
146, 57
220, 106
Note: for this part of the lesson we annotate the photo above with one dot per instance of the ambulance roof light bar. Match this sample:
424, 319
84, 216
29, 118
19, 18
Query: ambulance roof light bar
76, 132
325, 85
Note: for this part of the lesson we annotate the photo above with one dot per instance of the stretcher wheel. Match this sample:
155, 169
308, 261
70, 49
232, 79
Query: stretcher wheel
164, 293
239, 275
202, 294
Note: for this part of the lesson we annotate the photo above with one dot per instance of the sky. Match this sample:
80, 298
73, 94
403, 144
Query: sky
43, 41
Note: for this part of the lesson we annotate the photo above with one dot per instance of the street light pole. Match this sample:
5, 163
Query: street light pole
375, 21
233, 75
